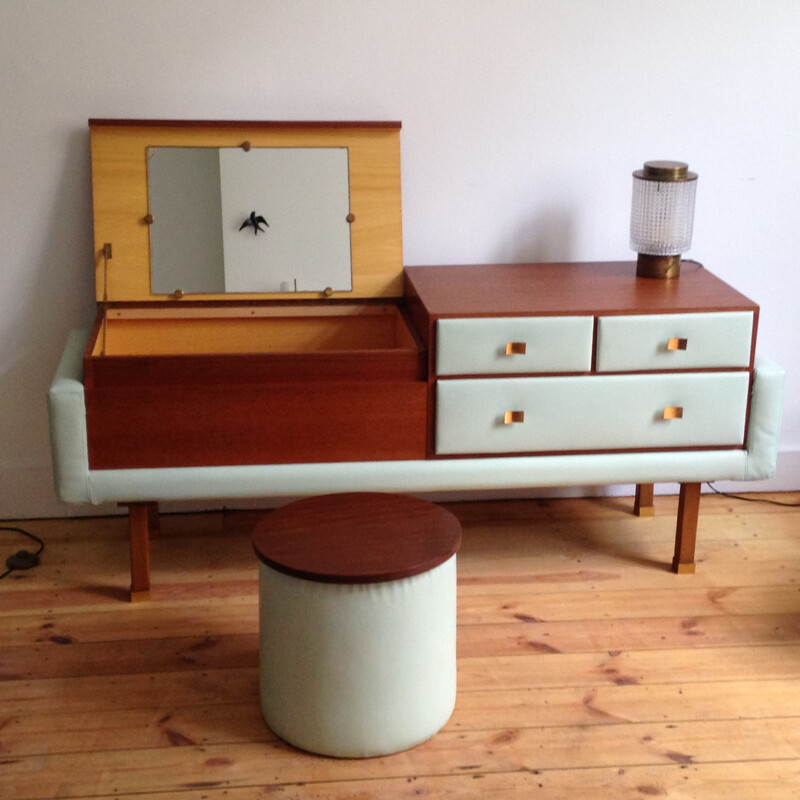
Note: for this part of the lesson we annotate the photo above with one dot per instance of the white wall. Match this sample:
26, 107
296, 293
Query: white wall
522, 121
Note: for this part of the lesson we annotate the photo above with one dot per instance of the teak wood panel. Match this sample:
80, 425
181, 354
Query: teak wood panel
357, 537
348, 385
483, 290
366, 366
119, 185
275, 421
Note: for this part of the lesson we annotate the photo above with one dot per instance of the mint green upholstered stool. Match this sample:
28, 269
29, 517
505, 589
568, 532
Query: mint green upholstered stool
357, 622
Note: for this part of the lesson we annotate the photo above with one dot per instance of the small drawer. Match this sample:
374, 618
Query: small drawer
590, 413
506, 345
674, 341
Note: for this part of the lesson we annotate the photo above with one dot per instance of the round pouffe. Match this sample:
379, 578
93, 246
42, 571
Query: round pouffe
357, 598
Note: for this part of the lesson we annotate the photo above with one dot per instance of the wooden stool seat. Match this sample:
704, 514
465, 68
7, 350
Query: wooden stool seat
359, 537
357, 598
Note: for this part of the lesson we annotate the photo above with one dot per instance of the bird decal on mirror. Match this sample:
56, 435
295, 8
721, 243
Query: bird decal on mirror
255, 222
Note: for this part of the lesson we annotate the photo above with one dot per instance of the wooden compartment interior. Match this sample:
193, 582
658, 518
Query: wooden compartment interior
242, 330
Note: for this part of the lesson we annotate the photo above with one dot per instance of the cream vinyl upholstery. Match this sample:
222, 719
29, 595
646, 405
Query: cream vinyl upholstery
637, 341
600, 412
75, 482
358, 670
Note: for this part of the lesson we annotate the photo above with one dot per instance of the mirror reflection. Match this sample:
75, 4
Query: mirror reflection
260, 220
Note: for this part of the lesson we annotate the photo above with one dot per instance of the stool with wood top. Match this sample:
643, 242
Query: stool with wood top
357, 600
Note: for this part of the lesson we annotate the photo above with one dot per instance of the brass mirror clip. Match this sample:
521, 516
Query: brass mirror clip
351, 217
677, 344
511, 417
177, 294
246, 146
148, 219
673, 412
328, 291
516, 348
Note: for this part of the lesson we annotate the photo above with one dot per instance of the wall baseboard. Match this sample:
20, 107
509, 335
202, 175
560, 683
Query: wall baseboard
27, 493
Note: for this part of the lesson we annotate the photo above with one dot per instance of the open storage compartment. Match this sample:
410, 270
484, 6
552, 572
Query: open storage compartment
326, 369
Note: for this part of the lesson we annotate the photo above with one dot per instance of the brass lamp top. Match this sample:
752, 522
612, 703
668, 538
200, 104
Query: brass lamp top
667, 171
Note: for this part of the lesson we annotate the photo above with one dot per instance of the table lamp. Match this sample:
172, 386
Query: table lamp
662, 215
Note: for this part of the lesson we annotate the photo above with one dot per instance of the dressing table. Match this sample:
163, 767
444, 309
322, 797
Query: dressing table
257, 336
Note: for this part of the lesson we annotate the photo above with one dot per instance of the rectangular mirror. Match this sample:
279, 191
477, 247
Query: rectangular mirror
264, 219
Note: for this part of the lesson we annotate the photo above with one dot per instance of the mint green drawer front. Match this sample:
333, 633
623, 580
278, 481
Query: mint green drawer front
599, 412
478, 346
642, 342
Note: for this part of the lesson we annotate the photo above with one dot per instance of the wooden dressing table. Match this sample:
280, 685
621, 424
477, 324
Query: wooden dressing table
423, 379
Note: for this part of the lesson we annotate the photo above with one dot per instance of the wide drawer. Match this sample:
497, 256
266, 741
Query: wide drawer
503, 345
674, 341
591, 413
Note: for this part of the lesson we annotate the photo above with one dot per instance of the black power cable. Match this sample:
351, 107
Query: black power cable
750, 499
22, 559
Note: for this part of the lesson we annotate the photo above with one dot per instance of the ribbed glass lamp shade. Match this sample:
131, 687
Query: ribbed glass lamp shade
662, 211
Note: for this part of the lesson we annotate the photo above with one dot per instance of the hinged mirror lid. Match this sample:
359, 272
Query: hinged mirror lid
228, 210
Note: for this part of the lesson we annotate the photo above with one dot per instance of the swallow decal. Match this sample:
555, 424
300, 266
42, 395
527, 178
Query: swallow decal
255, 222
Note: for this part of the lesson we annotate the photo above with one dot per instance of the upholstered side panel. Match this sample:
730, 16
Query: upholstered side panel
67, 411
766, 408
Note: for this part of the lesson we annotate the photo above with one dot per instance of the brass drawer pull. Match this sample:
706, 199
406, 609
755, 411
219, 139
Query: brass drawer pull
677, 344
673, 412
513, 416
516, 348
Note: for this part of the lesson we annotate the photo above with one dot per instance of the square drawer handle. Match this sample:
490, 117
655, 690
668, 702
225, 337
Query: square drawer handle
516, 348
677, 344
511, 417
673, 412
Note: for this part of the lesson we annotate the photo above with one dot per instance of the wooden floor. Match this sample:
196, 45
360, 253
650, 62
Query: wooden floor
586, 668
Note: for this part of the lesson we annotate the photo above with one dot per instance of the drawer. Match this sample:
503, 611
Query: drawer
698, 341
588, 413
483, 346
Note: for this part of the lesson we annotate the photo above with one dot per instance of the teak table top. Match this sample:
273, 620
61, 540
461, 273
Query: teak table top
568, 288
358, 537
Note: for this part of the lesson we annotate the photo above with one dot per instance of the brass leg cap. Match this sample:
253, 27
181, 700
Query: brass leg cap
684, 569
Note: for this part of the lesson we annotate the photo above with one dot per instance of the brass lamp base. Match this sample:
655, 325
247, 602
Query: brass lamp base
658, 266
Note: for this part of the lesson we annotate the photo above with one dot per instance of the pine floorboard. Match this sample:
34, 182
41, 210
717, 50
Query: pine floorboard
586, 668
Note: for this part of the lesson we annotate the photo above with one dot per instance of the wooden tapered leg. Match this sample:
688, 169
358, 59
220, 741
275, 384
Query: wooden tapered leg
686, 532
142, 518
643, 503
153, 520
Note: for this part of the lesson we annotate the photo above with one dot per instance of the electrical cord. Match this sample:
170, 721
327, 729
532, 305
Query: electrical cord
22, 559
750, 499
